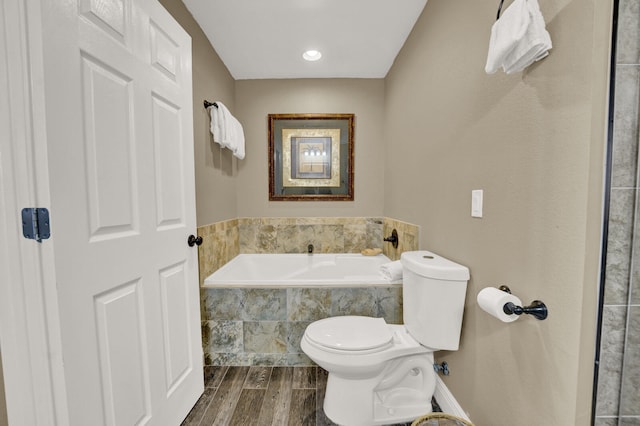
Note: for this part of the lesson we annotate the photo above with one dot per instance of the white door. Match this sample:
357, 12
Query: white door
120, 143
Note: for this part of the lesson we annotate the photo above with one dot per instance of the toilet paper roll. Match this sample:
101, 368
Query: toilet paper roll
492, 300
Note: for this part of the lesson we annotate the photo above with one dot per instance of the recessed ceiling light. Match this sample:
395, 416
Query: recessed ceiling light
312, 55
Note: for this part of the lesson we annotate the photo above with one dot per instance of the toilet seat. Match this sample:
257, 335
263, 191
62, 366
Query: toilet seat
353, 334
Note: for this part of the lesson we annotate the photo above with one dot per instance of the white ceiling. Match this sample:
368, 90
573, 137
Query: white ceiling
259, 39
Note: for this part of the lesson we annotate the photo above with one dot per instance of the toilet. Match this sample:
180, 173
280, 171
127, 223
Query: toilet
383, 373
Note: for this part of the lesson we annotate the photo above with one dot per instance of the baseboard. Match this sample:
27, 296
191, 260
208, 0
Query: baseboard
447, 401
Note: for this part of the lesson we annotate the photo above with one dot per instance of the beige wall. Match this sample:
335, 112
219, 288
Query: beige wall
534, 142
255, 99
216, 169
433, 130
4, 421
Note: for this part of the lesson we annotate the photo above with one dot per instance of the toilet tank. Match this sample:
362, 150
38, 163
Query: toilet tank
433, 291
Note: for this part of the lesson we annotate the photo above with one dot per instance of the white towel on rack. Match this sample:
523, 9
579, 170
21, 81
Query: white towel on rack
518, 38
391, 271
227, 130
533, 46
218, 126
506, 33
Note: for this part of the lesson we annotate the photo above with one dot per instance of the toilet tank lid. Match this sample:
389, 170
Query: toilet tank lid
431, 265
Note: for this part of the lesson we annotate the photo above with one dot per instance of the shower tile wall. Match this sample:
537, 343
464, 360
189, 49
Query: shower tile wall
264, 326
618, 399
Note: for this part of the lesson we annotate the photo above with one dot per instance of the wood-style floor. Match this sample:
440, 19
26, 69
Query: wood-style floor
261, 396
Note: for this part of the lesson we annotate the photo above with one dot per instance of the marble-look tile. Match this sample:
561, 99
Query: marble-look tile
256, 236
628, 46
625, 128
308, 304
381, 302
408, 237
363, 234
353, 301
264, 304
388, 306
222, 336
356, 238
630, 394
299, 359
275, 359
325, 238
606, 421
222, 303
331, 239
246, 237
634, 284
292, 235
619, 246
265, 337
233, 248
227, 359
244, 358
219, 245
611, 353
629, 421
294, 239
267, 239
374, 233
295, 331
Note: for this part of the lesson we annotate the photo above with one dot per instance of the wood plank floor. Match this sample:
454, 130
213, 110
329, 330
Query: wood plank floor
261, 396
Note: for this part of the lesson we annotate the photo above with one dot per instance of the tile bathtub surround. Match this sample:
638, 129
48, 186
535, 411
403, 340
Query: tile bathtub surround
264, 326
408, 237
293, 235
222, 241
220, 244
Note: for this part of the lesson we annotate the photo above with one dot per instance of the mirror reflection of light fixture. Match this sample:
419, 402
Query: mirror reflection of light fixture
314, 152
312, 55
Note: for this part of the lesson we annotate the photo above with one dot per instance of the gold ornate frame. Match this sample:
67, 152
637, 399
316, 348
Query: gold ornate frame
311, 157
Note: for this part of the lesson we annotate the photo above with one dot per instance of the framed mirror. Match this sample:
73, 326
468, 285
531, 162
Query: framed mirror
311, 157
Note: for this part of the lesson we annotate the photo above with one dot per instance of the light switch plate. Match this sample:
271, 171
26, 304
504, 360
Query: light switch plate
476, 203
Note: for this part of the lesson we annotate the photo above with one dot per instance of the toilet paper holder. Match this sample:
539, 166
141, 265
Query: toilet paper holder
537, 308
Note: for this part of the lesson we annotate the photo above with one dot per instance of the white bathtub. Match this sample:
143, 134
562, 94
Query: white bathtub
301, 270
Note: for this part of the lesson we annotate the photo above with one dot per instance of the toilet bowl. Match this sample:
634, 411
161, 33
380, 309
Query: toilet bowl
378, 374
383, 373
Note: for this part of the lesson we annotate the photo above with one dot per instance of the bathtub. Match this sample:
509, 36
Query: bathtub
301, 270
256, 307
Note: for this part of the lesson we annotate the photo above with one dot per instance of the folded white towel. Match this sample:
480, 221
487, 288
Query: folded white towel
533, 46
391, 271
227, 130
237, 141
506, 33
518, 38
216, 125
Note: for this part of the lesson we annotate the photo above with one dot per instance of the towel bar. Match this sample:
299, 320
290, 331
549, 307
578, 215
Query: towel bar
499, 9
208, 104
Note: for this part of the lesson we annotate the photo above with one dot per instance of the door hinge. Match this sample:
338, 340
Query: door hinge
35, 224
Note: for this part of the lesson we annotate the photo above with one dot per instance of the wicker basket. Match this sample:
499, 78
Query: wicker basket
440, 419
